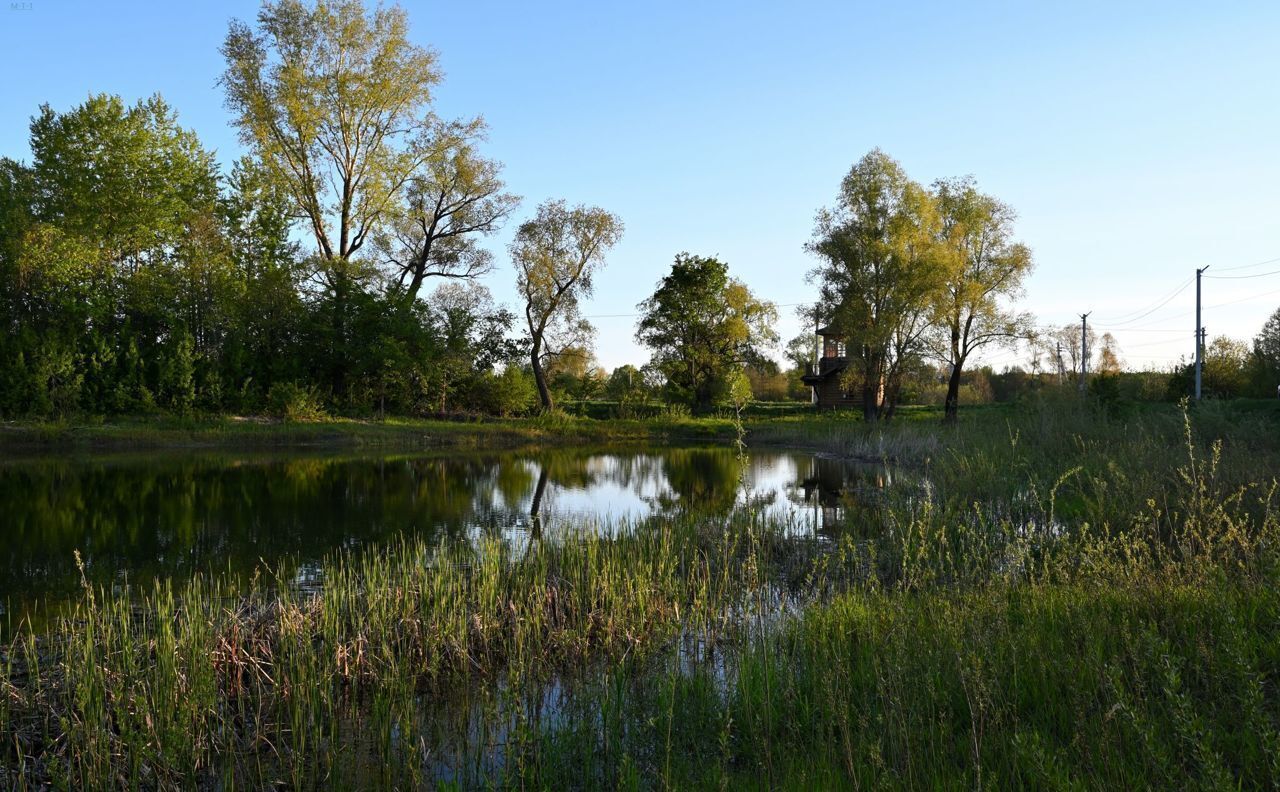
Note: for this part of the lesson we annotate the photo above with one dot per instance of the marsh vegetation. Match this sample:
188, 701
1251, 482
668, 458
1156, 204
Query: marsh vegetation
1057, 597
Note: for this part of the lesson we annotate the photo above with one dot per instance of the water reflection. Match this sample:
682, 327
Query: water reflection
138, 517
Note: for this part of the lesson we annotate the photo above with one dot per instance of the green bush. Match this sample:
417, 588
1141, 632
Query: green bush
510, 393
294, 402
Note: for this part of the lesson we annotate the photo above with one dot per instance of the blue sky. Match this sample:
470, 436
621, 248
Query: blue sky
1136, 140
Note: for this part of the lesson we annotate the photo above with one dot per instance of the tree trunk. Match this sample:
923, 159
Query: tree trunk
338, 348
701, 398
951, 410
539, 375
871, 385
870, 404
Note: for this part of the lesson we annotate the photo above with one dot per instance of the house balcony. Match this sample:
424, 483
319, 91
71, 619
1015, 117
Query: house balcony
826, 365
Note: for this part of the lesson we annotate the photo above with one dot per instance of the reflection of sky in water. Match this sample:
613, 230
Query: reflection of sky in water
620, 492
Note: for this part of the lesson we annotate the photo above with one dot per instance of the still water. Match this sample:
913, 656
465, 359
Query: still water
138, 517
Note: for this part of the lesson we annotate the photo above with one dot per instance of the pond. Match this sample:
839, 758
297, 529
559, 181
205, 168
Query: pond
141, 516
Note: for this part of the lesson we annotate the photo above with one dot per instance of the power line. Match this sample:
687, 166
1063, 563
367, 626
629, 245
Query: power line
1242, 277
1249, 266
1143, 313
1162, 304
1122, 320
1151, 328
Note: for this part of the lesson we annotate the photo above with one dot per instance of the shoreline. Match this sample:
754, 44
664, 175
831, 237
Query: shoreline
236, 432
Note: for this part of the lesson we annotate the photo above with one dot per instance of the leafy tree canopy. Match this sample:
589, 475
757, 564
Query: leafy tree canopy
703, 327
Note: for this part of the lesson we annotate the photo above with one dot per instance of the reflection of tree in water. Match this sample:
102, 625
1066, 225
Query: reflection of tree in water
637, 472
700, 479
535, 504
173, 517
513, 480
566, 470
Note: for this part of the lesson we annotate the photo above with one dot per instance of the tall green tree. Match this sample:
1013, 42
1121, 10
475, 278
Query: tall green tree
335, 100
880, 275
556, 254
984, 266
703, 327
104, 228
269, 316
127, 179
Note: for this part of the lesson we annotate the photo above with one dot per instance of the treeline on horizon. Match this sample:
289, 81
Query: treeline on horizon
335, 267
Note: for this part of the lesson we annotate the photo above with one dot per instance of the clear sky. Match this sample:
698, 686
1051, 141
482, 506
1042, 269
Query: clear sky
1136, 140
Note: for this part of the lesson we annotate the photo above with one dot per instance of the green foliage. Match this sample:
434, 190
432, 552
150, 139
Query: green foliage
509, 393
131, 282
294, 402
333, 94
1264, 364
767, 383
983, 265
1268, 341
176, 381
1226, 363
881, 275
703, 327
126, 179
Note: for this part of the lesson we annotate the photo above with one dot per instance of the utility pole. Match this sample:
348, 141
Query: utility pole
1084, 348
1061, 371
1199, 333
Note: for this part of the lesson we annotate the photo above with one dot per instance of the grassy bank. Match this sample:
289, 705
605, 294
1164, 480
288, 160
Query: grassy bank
914, 436
398, 433
1074, 598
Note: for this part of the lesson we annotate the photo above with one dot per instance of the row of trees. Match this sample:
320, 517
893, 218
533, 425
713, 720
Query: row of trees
134, 275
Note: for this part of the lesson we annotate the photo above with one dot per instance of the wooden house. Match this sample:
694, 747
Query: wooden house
825, 376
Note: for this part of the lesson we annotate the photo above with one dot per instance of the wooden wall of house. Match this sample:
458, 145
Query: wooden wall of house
830, 394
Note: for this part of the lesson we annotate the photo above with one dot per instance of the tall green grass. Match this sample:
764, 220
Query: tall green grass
260, 680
